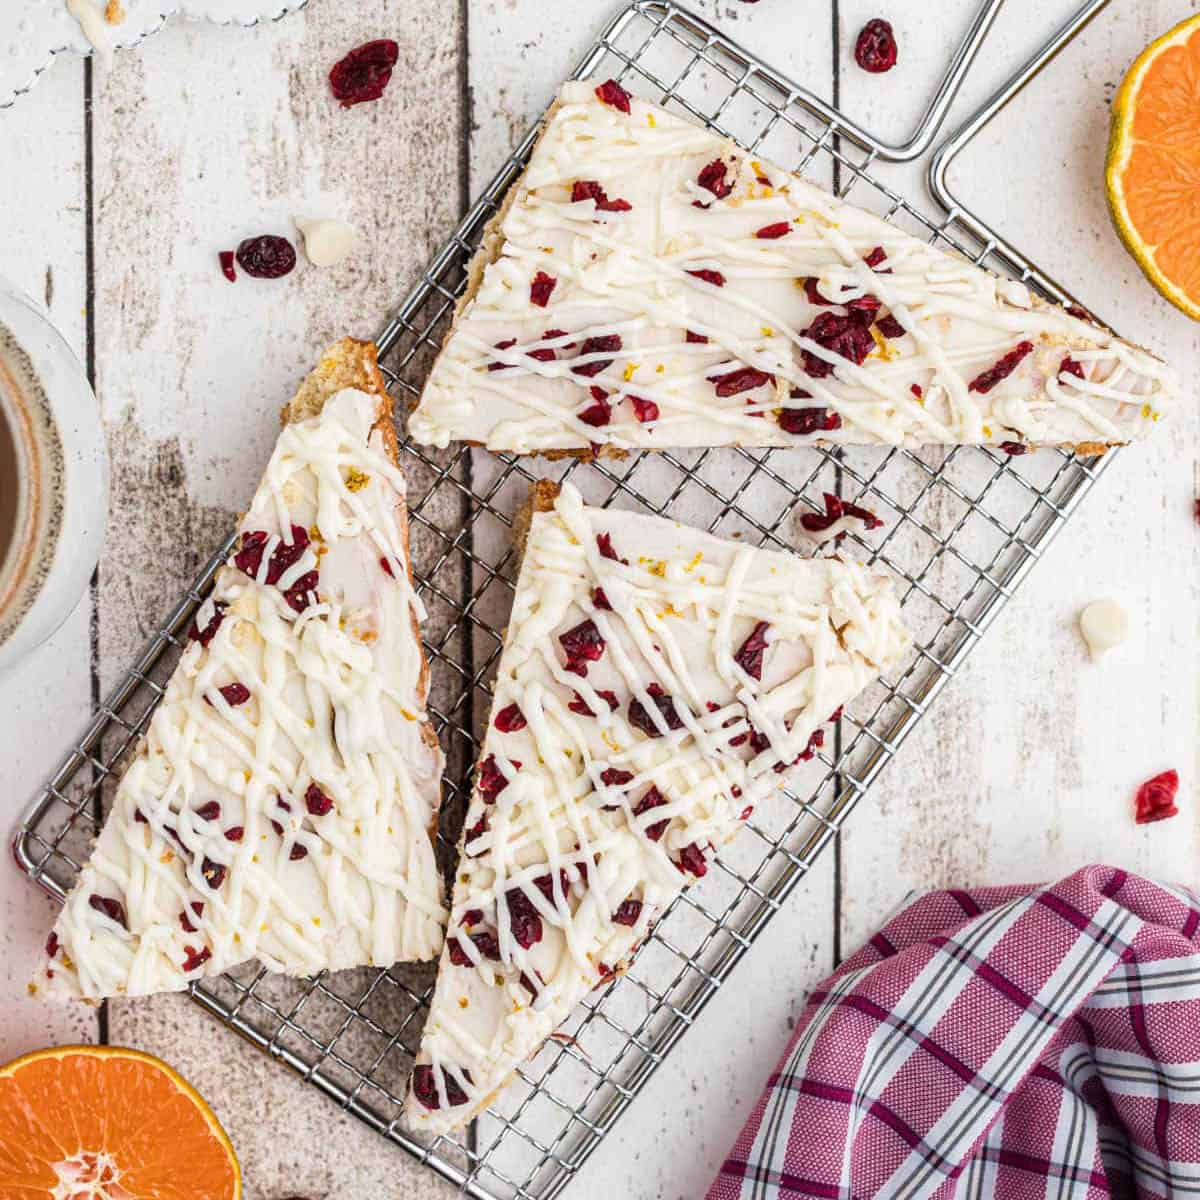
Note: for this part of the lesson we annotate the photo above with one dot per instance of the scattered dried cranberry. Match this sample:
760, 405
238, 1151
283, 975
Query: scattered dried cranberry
140, 817
185, 920
876, 256
628, 912
835, 509
641, 719
771, 232
615, 777
707, 275
505, 345
988, 379
842, 335
579, 704
210, 811
1155, 800
589, 189
249, 556
300, 595
610, 92
286, 554
692, 861
1070, 367
600, 412
492, 780
652, 799
316, 801
744, 379
808, 420
225, 258
712, 179
235, 833
605, 546
1014, 449
510, 719
235, 694
875, 49
600, 600
206, 635
195, 958
539, 291
114, 910
606, 344
52, 944
645, 410
386, 564
582, 644
812, 291
695, 339
364, 72
890, 327
523, 919
863, 308
424, 1085
750, 656
213, 873
266, 257
297, 852
477, 830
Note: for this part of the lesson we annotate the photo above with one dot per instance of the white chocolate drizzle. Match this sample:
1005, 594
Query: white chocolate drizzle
628, 273
336, 699
682, 607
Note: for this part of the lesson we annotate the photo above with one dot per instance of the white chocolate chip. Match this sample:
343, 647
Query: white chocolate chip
326, 240
1103, 625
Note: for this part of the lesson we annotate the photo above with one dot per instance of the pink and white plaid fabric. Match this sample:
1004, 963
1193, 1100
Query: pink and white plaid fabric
1008, 1042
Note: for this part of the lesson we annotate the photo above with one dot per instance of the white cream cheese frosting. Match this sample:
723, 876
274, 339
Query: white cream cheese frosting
655, 285
656, 683
282, 802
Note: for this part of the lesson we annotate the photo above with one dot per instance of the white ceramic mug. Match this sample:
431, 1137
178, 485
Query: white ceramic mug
53, 477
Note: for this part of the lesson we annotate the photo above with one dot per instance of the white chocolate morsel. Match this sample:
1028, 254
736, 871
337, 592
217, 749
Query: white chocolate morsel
567, 860
308, 674
326, 240
1103, 625
656, 289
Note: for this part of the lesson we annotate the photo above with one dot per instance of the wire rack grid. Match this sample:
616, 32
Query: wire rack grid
961, 527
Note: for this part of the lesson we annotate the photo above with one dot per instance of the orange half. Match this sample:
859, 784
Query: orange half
1153, 169
112, 1124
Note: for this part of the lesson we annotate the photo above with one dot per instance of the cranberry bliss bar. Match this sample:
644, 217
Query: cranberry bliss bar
650, 284
656, 684
281, 804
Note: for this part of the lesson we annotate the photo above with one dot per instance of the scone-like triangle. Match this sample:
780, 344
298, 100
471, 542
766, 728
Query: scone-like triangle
655, 685
650, 284
282, 802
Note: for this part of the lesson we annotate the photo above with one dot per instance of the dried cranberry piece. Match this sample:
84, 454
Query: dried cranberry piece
300, 595
213, 873
890, 327
364, 72
52, 944
695, 339
235, 694
510, 719
185, 921
386, 564
297, 852
206, 635
875, 49
540, 289
582, 644
917, 390
140, 817
652, 799
712, 178
771, 232
210, 811
600, 600
458, 956
814, 295
505, 345
808, 420
842, 335
645, 410
589, 189
487, 944
604, 544
473, 916
1014, 449
492, 780
641, 719
628, 912
864, 308
750, 656
286, 555
579, 704
612, 93
708, 275
266, 257
988, 379
114, 910
1069, 366
876, 256
615, 777
599, 413
746, 813
606, 344
692, 861
425, 1089
316, 801
195, 958
835, 509
225, 258
249, 556
477, 830
1155, 800
235, 833
523, 919
1082, 314
744, 379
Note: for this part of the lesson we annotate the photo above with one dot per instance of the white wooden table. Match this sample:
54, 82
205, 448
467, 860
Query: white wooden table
116, 193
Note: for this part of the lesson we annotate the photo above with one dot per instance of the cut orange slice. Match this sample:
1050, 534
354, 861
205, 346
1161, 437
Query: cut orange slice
108, 1124
1153, 170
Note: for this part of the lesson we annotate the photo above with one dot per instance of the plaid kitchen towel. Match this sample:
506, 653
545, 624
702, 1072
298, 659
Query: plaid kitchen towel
1009, 1042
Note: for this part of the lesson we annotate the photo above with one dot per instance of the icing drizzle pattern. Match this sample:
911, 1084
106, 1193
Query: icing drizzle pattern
282, 801
716, 262
655, 685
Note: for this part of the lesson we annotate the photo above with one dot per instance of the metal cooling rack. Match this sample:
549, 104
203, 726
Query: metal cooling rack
961, 528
